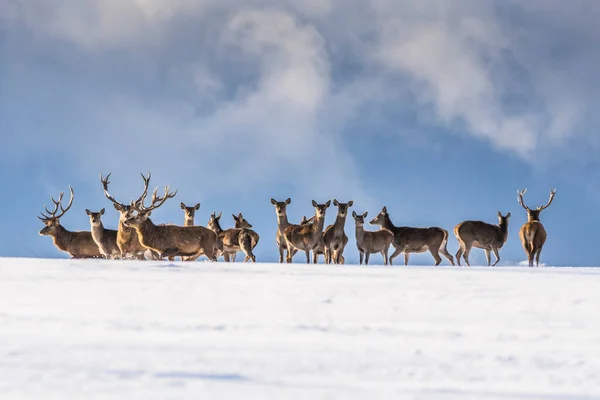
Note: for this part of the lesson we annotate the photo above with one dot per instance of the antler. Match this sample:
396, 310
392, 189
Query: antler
552, 193
57, 204
157, 201
105, 184
141, 199
520, 198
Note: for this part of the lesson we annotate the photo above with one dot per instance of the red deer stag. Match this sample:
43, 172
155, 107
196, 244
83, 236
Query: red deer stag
334, 237
230, 241
306, 237
106, 239
415, 240
171, 240
481, 235
532, 233
371, 242
78, 244
127, 237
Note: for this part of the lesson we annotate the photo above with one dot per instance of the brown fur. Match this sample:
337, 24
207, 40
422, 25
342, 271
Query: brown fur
334, 237
282, 224
306, 237
415, 240
481, 235
533, 234
371, 242
230, 241
106, 239
78, 244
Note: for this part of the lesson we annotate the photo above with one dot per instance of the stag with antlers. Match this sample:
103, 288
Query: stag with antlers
532, 233
170, 240
79, 244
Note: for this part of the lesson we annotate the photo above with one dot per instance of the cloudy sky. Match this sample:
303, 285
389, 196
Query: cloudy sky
439, 110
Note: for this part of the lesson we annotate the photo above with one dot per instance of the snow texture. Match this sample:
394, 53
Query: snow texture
99, 329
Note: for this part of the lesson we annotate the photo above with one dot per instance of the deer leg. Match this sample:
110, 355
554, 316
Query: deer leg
495, 250
436, 255
488, 256
406, 256
307, 256
537, 257
280, 254
367, 255
466, 252
446, 254
395, 253
459, 253
360, 257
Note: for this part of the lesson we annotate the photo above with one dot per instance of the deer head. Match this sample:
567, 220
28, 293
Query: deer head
280, 206
95, 217
320, 209
126, 211
503, 219
144, 212
359, 219
51, 219
214, 223
342, 207
381, 217
534, 215
189, 212
240, 221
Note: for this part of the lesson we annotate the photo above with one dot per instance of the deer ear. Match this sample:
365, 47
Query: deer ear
182, 205
335, 202
353, 214
102, 211
197, 206
288, 200
273, 201
117, 207
499, 214
240, 216
350, 203
148, 213
314, 203
508, 215
365, 214
384, 210
219, 216
88, 212
328, 203
234, 217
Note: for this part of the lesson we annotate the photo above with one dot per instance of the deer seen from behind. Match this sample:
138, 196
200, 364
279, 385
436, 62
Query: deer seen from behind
106, 239
532, 233
334, 237
414, 240
79, 244
371, 242
306, 237
481, 235
230, 241
170, 240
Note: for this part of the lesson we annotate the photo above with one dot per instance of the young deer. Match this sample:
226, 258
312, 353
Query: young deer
415, 240
532, 233
189, 213
127, 237
319, 250
334, 237
106, 239
230, 241
371, 242
170, 240
306, 237
78, 244
481, 235
282, 224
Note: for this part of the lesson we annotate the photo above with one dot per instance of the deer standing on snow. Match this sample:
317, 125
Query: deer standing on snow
230, 241
106, 239
481, 235
415, 240
371, 242
282, 224
532, 233
79, 244
334, 237
306, 237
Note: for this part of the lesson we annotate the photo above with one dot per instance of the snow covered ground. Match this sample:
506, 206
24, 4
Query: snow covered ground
149, 330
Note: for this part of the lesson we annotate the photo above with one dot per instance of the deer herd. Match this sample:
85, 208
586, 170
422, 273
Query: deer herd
138, 237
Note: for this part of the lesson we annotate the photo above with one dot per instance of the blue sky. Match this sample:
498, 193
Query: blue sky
439, 110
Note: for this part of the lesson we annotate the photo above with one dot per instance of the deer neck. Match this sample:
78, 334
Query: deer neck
217, 228
387, 223
532, 218
62, 238
188, 222
282, 222
360, 233
318, 225
98, 231
504, 230
338, 225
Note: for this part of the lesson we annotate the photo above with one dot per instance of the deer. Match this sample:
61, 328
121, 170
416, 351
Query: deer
334, 237
189, 213
532, 233
319, 250
127, 237
78, 244
306, 237
414, 240
106, 239
230, 241
481, 235
371, 242
282, 224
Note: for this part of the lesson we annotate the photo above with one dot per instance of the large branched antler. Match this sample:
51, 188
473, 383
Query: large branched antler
520, 198
58, 204
552, 193
105, 184
156, 201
